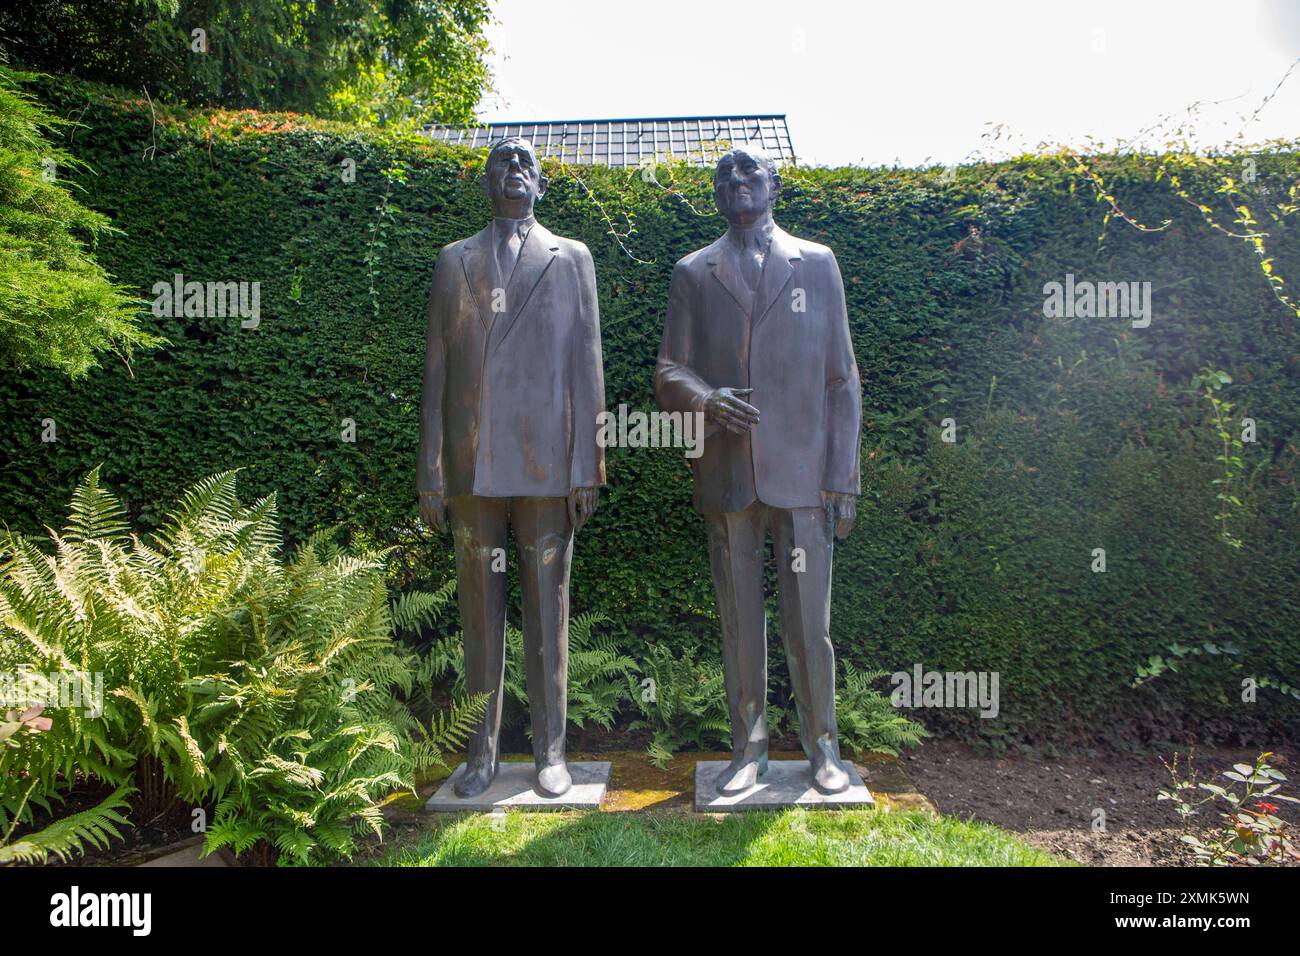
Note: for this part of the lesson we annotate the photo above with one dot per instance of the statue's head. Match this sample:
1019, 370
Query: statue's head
512, 177
746, 183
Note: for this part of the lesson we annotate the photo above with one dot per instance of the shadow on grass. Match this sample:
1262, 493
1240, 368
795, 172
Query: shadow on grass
793, 837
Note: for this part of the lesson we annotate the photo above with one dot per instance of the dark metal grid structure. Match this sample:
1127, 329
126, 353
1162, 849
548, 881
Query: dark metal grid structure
630, 142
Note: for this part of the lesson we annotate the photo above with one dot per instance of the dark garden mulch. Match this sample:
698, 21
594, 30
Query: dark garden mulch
1051, 801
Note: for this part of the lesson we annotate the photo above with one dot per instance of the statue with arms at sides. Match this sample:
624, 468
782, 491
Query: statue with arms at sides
513, 385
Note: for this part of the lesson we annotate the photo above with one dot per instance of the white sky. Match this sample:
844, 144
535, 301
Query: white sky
910, 82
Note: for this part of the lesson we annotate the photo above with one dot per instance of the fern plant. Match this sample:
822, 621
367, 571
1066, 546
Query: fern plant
67, 835
598, 676
683, 701
868, 721
269, 689
598, 673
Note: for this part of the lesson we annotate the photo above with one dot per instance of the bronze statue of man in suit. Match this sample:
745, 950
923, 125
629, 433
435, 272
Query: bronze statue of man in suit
512, 387
757, 338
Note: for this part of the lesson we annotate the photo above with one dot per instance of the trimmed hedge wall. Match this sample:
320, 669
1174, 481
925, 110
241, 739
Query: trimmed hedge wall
974, 555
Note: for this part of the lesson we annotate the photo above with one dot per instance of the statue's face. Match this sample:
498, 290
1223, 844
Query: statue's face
513, 175
742, 187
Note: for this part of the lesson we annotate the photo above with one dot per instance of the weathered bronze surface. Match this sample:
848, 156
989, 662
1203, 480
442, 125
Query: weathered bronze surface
512, 386
757, 338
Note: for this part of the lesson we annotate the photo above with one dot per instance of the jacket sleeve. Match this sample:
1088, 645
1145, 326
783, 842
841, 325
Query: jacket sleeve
587, 378
843, 396
677, 387
429, 474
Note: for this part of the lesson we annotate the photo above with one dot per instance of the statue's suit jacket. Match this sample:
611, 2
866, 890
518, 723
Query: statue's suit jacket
511, 397
799, 363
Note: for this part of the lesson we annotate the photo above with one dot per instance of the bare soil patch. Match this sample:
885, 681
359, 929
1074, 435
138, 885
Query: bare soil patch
1051, 801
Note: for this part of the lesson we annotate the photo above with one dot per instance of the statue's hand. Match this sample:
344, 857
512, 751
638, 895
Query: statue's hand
842, 509
433, 510
727, 407
582, 505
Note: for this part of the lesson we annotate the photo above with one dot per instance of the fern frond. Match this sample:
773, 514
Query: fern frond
95, 513
451, 727
96, 826
417, 609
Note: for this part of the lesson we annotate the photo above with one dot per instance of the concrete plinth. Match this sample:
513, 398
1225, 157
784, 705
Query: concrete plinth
787, 783
513, 789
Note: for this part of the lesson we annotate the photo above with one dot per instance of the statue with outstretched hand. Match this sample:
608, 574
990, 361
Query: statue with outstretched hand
757, 338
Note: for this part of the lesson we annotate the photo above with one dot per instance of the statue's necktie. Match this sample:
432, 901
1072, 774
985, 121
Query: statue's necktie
508, 254
751, 266
752, 253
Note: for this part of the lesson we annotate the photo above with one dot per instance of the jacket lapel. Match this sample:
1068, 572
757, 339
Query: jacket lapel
476, 258
724, 271
782, 252
535, 257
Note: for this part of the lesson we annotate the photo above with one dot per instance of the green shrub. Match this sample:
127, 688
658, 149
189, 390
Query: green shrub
1071, 435
596, 678
868, 721
683, 701
58, 308
269, 689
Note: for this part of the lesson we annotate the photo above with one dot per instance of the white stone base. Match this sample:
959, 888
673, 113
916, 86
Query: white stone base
787, 783
513, 789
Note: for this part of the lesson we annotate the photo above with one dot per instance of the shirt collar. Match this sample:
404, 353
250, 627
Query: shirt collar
501, 225
755, 237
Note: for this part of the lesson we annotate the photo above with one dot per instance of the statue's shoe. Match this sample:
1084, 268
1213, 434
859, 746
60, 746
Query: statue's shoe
829, 775
477, 777
742, 773
553, 781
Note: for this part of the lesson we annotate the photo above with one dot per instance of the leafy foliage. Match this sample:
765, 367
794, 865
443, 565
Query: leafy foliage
1211, 382
868, 721
360, 60
68, 836
58, 308
683, 701
1250, 832
597, 675
270, 689
969, 555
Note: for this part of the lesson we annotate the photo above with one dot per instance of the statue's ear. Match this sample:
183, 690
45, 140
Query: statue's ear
483, 182
542, 183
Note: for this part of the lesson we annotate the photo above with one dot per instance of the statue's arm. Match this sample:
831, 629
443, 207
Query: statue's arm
843, 397
587, 375
429, 473
677, 387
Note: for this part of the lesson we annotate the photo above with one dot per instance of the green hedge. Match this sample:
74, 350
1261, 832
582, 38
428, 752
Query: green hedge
1072, 435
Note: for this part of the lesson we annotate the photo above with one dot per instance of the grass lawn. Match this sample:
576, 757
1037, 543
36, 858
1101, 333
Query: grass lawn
793, 837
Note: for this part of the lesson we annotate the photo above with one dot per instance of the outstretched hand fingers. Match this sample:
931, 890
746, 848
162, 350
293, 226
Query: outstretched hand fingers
736, 415
740, 407
732, 412
734, 423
